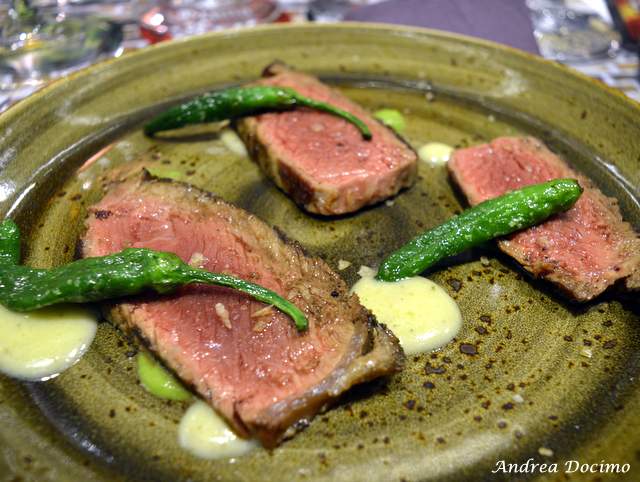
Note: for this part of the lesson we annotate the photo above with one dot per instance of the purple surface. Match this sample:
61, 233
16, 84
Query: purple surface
504, 21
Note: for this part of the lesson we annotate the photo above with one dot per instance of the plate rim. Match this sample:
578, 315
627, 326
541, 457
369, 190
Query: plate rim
393, 29
402, 31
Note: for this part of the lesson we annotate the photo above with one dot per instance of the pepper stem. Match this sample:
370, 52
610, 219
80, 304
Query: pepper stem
255, 291
348, 116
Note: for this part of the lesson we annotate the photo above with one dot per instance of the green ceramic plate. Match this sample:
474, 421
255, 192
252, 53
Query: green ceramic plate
528, 392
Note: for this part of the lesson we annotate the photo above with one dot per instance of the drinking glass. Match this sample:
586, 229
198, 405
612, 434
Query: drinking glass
334, 10
43, 40
179, 18
568, 34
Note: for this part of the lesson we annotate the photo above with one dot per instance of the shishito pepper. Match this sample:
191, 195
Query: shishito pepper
243, 101
127, 272
495, 217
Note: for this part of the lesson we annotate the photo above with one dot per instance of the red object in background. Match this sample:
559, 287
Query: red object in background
153, 27
626, 15
173, 19
285, 17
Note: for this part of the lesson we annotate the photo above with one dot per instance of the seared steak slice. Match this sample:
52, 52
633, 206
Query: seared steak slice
320, 160
247, 360
584, 250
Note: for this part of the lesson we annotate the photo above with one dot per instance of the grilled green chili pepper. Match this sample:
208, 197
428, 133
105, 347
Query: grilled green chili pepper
503, 215
9, 243
243, 101
128, 272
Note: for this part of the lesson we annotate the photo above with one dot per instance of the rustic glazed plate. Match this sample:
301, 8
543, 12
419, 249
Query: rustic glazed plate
521, 386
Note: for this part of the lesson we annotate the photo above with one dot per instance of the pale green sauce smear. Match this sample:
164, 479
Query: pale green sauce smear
391, 118
41, 344
158, 381
165, 173
205, 434
421, 314
435, 153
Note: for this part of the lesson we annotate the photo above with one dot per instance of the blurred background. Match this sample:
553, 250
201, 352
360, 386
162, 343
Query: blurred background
41, 40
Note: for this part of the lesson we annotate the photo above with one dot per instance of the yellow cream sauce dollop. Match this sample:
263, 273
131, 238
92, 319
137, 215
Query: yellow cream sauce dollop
41, 344
420, 313
435, 153
205, 434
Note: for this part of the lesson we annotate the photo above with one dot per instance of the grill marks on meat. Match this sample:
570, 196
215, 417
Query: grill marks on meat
584, 250
257, 371
320, 160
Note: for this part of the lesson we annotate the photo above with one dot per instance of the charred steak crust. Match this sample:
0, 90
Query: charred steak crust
299, 189
583, 251
321, 161
259, 373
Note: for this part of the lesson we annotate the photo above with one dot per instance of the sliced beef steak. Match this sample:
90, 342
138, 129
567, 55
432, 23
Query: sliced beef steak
246, 359
584, 250
321, 160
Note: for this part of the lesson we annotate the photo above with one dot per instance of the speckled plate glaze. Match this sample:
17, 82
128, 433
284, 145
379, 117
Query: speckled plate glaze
517, 383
